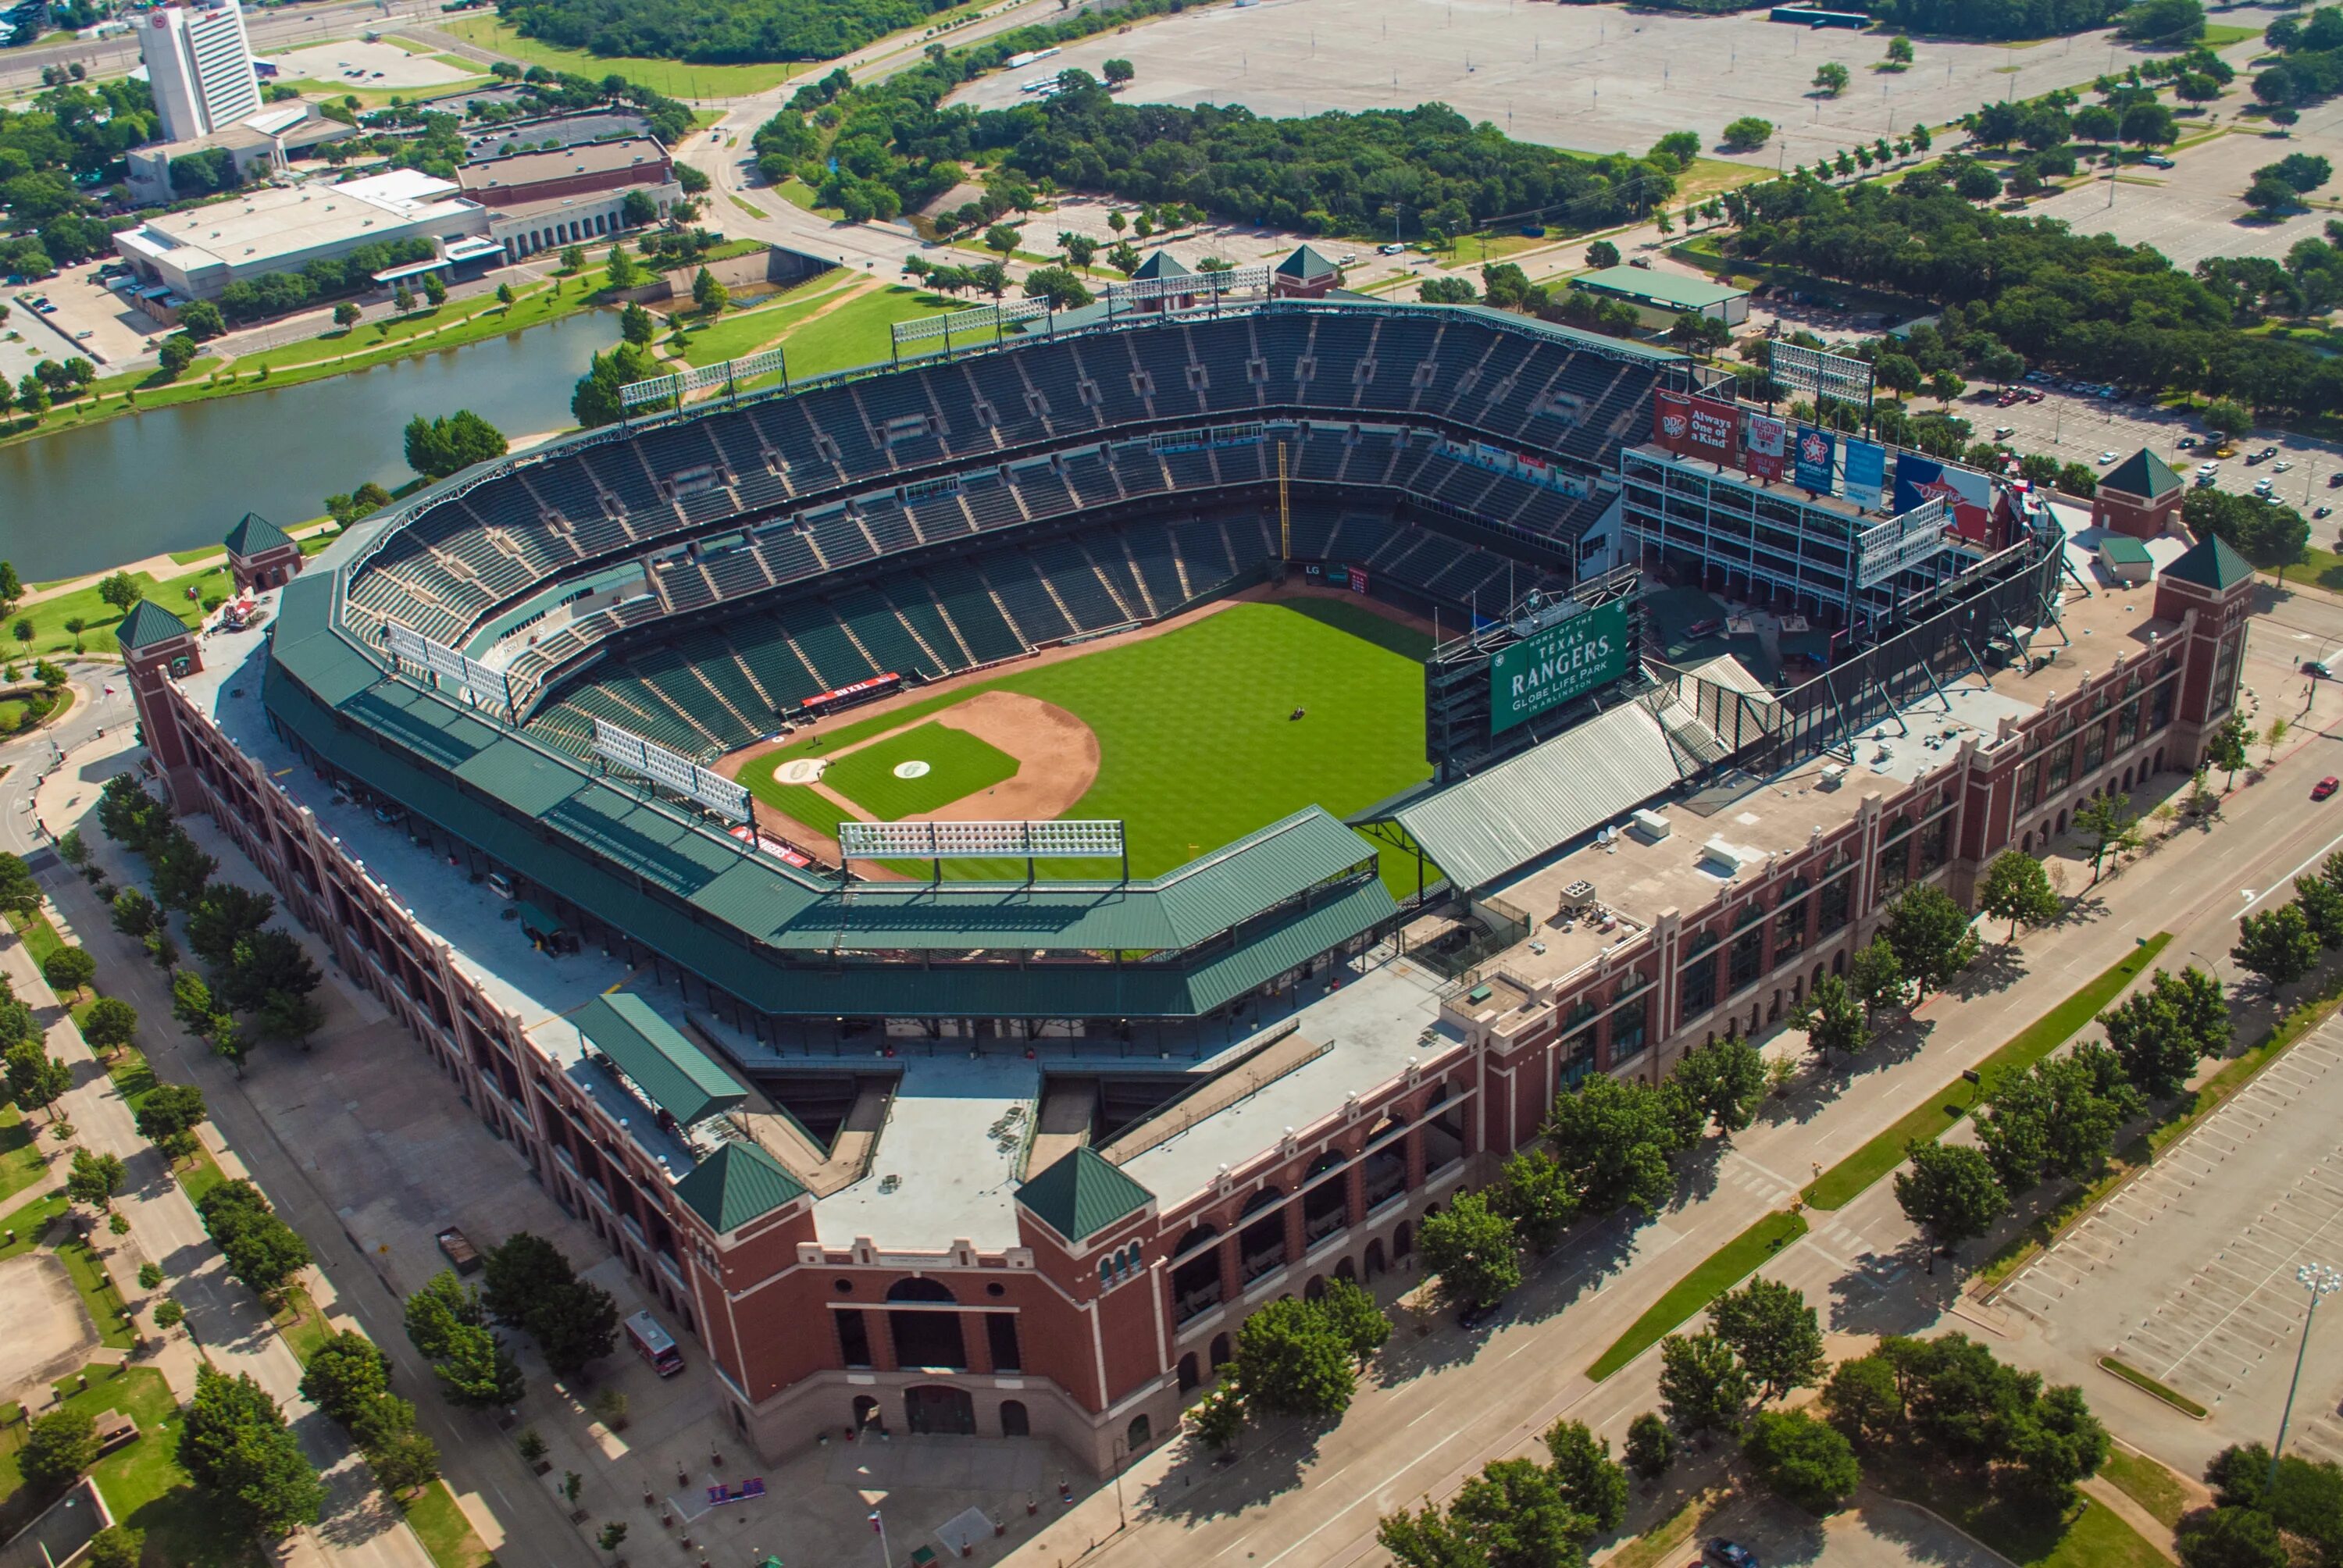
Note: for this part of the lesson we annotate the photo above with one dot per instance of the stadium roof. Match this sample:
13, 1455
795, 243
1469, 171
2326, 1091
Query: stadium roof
787, 941
147, 624
1082, 1194
1531, 805
1669, 288
681, 1078
735, 1184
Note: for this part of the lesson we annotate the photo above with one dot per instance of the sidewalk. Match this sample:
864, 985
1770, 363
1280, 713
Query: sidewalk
226, 1323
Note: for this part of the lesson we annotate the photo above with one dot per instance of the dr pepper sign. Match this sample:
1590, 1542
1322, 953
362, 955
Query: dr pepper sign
1698, 428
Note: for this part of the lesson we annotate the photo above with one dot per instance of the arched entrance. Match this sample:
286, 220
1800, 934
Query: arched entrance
1403, 1242
1375, 1264
1315, 1290
1013, 1420
1138, 1434
1219, 1353
1344, 1271
1187, 1374
939, 1409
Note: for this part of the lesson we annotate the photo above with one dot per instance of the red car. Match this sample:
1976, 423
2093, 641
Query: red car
2325, 787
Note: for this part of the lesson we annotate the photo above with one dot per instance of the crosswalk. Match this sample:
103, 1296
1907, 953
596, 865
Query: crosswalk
2236, 1316
1827, 1231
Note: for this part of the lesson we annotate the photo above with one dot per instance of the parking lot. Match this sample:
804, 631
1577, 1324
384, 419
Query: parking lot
2187, 1275
1597, 78
383, 66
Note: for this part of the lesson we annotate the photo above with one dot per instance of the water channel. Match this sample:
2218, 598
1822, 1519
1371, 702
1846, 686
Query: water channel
137, 485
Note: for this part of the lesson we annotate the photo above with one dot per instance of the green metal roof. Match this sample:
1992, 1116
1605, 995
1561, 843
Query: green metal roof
1668, 288
2210, 563
1082, 1194
2142, 474
2123, 550
255, 534
1162, 263
147, 624
681, 1078
737, 1183
1305, 263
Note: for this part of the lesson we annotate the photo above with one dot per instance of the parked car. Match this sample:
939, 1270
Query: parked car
1393, 249
1723, 1554
1999, 431
2106, 457
2324, 788
2206, 470
2322, 511
2187, 443
2316, 669
2159, 161
2280, 467
2335, 480
2036, 396
2252, 458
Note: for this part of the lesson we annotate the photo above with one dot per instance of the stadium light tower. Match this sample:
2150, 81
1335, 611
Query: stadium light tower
2320, 1280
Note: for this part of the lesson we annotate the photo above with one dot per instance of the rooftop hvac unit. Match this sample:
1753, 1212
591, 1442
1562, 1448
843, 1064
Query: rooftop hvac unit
1651, 825
1578, 894
1833, 774
1718, 852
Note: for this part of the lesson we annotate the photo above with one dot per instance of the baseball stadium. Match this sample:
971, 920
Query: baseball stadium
970, 874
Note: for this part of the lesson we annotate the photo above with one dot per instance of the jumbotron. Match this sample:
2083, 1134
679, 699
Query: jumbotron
942, 1120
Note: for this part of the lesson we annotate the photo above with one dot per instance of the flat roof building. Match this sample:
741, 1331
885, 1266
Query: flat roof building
260, 144
198, 253
1662, 296
571, 171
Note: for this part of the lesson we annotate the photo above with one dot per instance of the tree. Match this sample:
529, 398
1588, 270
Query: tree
637, 209
402, 1458
94, 1178
1864, 1399
1803, 1460
1291, 1360
2162, 21
12, 586
1725, 1081
261, 1249
289, 1015
1429, 1539
2112, 825
447, 1323
181, 871
573, 258
2015, 889
57, 1448
346, 1373
234, 1445
1831, 79
506, 296
1651, 1447
133, 914
191, 1001
1833, 1019
1899, 50
1001, 238
1602, 253
36, 1079
1615, 1139
20, 895
1514, 1513
2271, 196
435, 289
1875, 976
707, 294
1446, 291
177, 353
201, 320
1353, 1314
637, 326
1591, 1483
1219, 1417
1930, 935
1773, 1333
68, 970
1057, 286
621, 270
264, 964
2230, 1538
223, 915
2226, 747
1533, 1193
1117, 72
1747, 134
2161, 1033
1471, 1249
168, 1116
1951, 1193
109, 1024
115, 1546
2278, 944
1702, 1384
439, 448
402, 300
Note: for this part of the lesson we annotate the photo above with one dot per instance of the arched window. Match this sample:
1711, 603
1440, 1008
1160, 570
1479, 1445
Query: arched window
920, 1290
1138, 1434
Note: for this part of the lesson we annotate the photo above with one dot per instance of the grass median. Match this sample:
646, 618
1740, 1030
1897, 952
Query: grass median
1839, 1184
1717, 1273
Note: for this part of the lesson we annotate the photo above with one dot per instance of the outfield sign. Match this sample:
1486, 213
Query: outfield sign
1056, 840
1912, 538
1838, 377
1554, 665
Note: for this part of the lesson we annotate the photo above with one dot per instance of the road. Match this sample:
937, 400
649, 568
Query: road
268, 31
1441, 1403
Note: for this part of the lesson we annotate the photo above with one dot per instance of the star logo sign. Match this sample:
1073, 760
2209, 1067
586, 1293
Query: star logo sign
1811, 448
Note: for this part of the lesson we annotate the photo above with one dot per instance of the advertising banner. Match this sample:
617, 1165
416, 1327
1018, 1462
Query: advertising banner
1768, 448
1866, 471
1967, 492
1816, 450
1698, 428
1552, 666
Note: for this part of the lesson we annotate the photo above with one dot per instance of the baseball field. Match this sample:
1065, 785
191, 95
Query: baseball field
1194, 737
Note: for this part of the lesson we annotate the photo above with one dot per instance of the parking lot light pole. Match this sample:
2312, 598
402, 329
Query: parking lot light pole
2319, 1281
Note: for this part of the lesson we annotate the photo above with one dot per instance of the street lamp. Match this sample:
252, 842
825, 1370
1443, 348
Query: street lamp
2319, 1281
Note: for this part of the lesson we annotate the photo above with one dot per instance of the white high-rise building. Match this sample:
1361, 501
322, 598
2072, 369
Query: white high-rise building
199, 65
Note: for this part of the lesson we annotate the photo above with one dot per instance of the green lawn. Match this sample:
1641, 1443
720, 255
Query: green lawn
1876, 1159
2147, 1483
30, 1221
439, 326
99, 1296
855, 334
672, 77
99, 617
21, 1163
959, 765
296, 1317
444, 1531
1717, 1273
737, 333
2221, 35
134, 1079
40, 938
1196, 744
2091, 1537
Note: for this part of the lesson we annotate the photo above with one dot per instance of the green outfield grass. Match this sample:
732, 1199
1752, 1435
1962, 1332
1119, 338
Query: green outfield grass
1196, 741
959, 764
